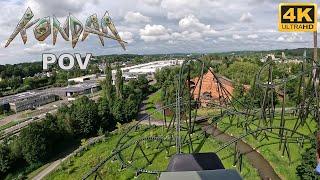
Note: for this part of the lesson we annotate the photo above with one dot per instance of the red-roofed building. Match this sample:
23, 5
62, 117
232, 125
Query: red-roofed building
214, 88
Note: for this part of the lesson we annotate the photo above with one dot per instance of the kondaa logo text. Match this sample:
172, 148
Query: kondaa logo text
71, 29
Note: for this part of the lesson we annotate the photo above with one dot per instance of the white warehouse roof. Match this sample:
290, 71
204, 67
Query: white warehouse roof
150, 67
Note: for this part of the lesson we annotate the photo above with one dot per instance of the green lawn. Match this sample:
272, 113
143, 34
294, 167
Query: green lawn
76, 167
281, 164
12, 123
151, 103
2, 116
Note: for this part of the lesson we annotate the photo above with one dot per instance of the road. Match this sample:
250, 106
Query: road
49, 169
57, 162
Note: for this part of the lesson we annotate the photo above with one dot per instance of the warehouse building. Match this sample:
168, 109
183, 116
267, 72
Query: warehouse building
84, 78
149, 69
80, 89
28, 100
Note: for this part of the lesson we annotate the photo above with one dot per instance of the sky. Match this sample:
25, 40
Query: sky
154, 27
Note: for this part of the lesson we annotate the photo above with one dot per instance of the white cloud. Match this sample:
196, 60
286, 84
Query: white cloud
176, 26
236, 36
3, 43
290, 38
253, 36
179, 8
136, 17
267, 31
246, 17
222, 39
154, 32
191, 23
126, 36
58, 8
38, 48
191, 29
152, 2
186, 36
8, 21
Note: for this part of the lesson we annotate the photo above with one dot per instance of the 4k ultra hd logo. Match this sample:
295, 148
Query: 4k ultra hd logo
298, 17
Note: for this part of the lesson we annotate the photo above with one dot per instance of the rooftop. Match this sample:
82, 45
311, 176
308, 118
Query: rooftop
80, 87
150, 67
20, 96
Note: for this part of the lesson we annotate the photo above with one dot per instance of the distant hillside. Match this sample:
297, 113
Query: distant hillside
277, 52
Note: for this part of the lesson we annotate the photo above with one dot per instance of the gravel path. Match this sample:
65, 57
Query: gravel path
263, 166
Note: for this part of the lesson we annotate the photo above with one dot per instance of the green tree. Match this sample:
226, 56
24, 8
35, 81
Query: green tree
306, 170
107, 83
142, 83
238, 95
118, 110
39, 139
242, 72
34, 143
119, 83
131, 107
84, 117
5, 161
107, 120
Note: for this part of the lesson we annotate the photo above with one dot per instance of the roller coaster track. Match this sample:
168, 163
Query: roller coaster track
247, 117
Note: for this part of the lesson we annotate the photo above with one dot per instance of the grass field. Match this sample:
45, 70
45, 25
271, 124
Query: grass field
269, 148
10, 124
2, 116
152, 102
77, 166
13, 123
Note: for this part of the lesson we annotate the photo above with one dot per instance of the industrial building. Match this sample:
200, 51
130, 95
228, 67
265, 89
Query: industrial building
27, 100
90, 83
83, 78
132, 72
151, 67
79, 89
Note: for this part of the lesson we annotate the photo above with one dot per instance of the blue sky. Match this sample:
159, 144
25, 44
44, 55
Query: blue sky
154, 26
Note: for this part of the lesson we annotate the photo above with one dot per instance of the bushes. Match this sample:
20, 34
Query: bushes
5, 161
85, 119
306, 170
39, 140
106, 120
242, 72
35, 145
